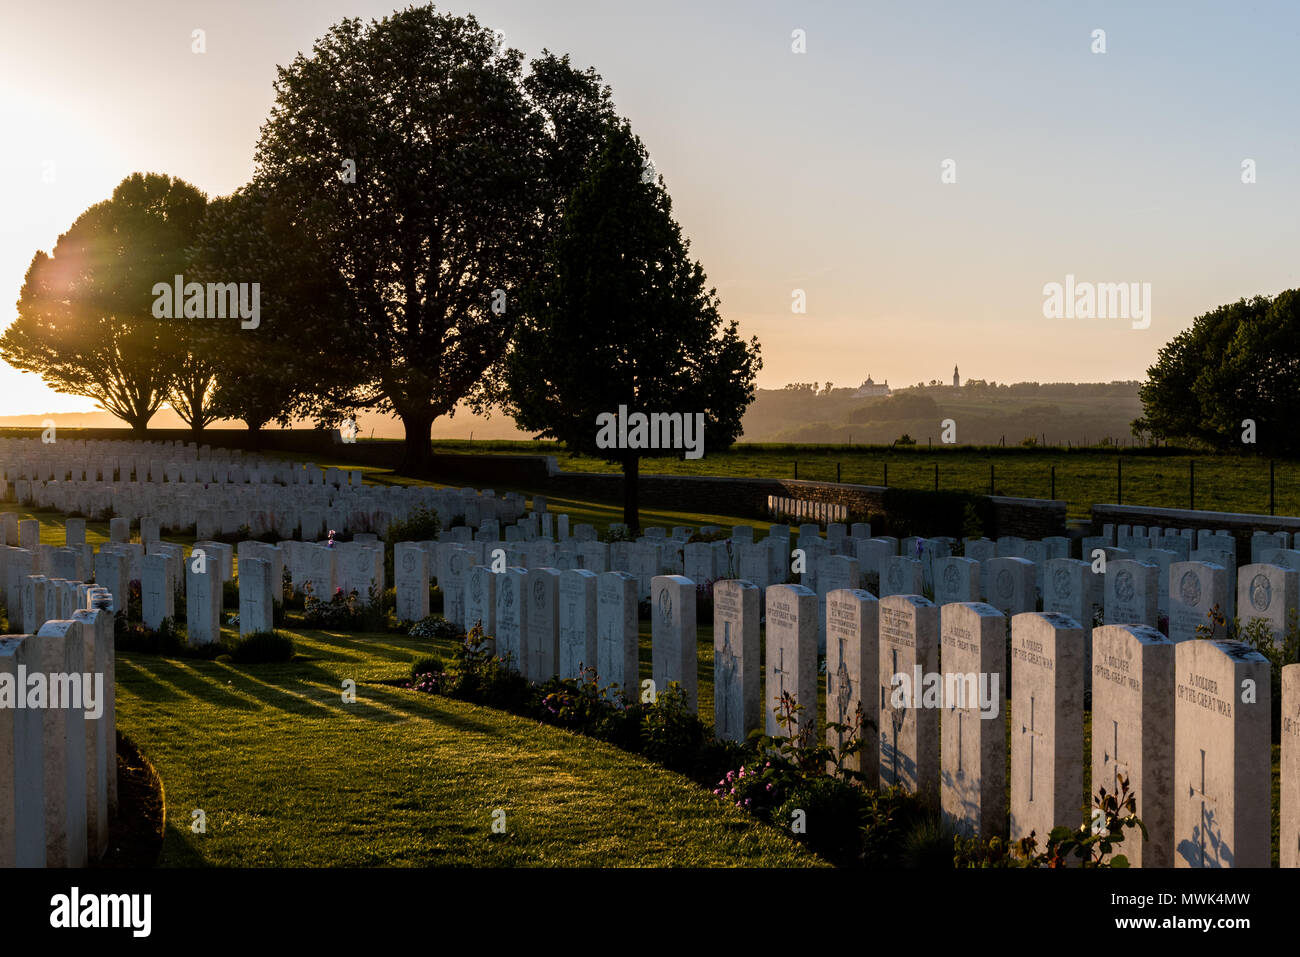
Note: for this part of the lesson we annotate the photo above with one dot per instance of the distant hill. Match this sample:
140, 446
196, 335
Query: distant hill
1078, 413
463, 426
984, 413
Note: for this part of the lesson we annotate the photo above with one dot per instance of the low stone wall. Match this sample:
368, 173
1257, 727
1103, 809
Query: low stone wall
1240, 524
1235, 522
716, 495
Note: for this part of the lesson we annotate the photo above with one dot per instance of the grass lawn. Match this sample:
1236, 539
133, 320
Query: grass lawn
288, 774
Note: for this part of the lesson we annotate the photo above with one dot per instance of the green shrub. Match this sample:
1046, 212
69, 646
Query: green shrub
136, 637
260, 647
671, 734
927, 846
435, 626
426, 666
422, 525
617, 532
832, 816
721, 535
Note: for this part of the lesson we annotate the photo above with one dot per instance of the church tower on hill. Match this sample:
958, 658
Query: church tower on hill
956, 379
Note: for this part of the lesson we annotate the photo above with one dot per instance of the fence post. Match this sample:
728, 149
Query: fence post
796, 469
1191, 483
990, 478
837, 473
1053, 483
1270, 486
936, 476
886, 485
1119, 481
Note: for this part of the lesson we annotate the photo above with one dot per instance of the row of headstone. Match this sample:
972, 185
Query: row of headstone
58, 742
787, 507
1185, 722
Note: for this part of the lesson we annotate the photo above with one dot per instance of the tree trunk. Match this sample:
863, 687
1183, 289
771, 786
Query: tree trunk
139, 425
418, 451
631, 488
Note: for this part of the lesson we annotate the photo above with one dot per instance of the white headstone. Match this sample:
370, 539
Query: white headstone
1196, 589
1269, 592
673, 638
542, 631
853, 675
737, 699
22, 796
791, 667
617, 633
1047, 652
909, 725
1223, 757
577, 622
974, 726
1132, 732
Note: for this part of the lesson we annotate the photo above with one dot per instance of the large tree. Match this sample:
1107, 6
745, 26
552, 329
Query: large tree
421, 160
294, 361
193, 386
85, 314
621, 316
1235, 363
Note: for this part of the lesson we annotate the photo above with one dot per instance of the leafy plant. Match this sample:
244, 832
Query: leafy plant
437, 627
617, 532
260, 647
1093, 843
420, 525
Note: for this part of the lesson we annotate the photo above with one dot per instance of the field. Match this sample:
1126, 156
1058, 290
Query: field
1083, 477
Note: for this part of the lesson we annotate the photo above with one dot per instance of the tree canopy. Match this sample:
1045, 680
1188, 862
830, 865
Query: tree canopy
85, 314
1237, 363
621, 316
426, 167
294, 363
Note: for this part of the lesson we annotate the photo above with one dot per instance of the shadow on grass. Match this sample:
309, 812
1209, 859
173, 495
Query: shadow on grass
256, 687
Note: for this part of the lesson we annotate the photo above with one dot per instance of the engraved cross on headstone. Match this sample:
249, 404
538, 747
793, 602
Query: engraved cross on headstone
1206, 816
1120, 767
843, 687
896, 716
575, 635
957, 714
726, 672
779, 673
1033, 733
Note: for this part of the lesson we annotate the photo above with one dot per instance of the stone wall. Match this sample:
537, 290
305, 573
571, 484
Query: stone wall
1240, 524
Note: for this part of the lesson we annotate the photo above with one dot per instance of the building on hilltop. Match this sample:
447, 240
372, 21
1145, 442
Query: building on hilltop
956, 379
870, 388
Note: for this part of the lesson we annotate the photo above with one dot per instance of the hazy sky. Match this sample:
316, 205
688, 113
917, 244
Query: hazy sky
818, 171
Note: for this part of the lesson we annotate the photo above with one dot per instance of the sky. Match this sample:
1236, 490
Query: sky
821, 171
